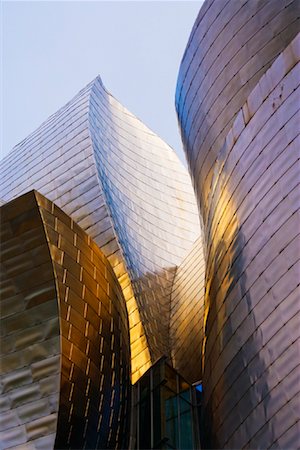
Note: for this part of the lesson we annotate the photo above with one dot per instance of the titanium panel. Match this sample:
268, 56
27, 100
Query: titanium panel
66, 358
128, 190
30, 345
58, 161
231, 45
150, 199
187, 314
238, 107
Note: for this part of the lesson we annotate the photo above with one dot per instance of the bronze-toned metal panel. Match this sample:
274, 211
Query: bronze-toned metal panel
65, 354
187, 315
128, 190
30, 347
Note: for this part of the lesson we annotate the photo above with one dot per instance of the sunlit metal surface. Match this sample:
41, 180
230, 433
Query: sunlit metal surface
128, 190
65, 358
238, 106
186, 322
150, 199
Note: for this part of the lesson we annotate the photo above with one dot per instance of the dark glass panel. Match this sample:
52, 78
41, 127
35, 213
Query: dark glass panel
170, 377
157, 416
145, 424
186, 431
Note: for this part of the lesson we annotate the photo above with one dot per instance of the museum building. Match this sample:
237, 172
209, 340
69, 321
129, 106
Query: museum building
144, 306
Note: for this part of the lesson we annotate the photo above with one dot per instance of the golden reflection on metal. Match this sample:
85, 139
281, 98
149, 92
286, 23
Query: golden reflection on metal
128, 190
186, 317
65, 353
140, 355
219, 245
237, 102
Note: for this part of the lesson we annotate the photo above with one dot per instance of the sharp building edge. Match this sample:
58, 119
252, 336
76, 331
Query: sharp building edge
65, 354
106, 276
126, 189
238, 103
152, 205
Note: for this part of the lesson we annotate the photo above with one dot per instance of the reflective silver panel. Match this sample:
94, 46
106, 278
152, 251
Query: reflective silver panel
150, 199
238, 106
128, 190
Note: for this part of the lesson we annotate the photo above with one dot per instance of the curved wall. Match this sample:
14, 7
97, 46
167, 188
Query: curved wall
231, 45
128, 190
30, 353
58, 161
152, 205
66, 360
187, 313
252, 351
244, 158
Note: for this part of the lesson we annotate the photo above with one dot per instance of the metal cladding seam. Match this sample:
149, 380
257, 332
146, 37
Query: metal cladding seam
187, 314
65, 356
151, 202
128, 190
242, 144
231, 45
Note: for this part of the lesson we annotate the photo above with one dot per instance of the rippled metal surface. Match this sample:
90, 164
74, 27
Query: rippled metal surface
238, 105
65, 355
128, 190
30, 346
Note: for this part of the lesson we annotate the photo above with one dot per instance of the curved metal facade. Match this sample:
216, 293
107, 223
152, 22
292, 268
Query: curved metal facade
231, 45
128, 190
65, 357
150, 199
187, 314
30, 332
238, 107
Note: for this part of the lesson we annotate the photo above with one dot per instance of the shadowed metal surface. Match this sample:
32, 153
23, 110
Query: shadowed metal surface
238, 106
30, 344
128, 190
65, 358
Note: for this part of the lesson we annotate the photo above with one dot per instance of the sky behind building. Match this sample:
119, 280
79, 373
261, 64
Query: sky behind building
51, 50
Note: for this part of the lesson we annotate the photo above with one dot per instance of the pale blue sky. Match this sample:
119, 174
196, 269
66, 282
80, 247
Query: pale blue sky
53, 49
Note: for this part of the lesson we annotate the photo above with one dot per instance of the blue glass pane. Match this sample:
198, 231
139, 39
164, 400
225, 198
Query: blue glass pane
199, 387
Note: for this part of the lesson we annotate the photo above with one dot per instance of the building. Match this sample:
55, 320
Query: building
106, 275
65, 356
129, 192
238, 103
167, 410
131, 197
